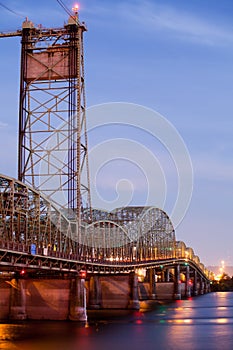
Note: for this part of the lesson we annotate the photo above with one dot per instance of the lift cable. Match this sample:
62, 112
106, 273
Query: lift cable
8, 9
60, 2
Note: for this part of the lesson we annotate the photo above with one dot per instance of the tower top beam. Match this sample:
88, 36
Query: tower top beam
10, 34
73, 20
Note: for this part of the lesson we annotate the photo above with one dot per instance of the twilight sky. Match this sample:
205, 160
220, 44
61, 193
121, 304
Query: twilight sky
173, 57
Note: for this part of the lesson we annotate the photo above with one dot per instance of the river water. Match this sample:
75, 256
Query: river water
200, 323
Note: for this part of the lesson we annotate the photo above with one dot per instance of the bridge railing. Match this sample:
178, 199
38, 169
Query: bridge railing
70, 256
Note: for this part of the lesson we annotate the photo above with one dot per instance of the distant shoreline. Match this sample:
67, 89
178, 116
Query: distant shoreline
216, 270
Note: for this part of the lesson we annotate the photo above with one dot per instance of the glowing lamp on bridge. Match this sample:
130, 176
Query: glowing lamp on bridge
141, 273
82, 274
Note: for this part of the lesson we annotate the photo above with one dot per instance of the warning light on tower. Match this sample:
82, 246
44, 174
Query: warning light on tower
75, 8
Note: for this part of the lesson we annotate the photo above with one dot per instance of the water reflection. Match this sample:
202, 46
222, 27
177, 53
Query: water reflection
180, 321
205, 322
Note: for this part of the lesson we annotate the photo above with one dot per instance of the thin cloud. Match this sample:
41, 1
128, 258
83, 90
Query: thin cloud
3, 125
183, 24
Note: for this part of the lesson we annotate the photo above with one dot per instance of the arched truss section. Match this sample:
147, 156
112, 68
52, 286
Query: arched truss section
99, 214
157, 235
105, 240
180, 249
27, 217
126, 234
149, 232
185, 252
105, 234
188, 253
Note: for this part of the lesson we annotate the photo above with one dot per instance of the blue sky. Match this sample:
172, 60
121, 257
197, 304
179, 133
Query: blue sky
174, 57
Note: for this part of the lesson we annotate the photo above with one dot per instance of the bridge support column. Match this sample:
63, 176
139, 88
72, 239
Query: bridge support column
78, 310
134, 297
168, 275
162, 275
18, 300
207, 286
95, 295
177, 285
152, 284
195, 291
187, 284
201, 286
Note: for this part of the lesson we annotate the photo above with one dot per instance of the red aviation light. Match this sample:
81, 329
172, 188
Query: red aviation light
82, 274
22, 272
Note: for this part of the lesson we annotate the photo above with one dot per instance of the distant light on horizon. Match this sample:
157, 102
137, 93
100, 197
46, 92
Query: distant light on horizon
223, 264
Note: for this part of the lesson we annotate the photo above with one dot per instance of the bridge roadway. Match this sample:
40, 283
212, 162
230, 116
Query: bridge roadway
16, 256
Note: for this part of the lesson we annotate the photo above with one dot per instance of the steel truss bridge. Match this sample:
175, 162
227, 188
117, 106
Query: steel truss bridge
47, 223
36, 235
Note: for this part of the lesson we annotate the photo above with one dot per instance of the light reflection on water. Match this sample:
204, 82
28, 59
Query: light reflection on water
201, 323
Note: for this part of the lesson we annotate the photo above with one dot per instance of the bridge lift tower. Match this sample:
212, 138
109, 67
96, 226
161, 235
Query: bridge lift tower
53, 153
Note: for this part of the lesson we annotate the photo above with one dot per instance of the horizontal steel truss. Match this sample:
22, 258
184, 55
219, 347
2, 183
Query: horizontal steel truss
27, 217
13, 260
135, 237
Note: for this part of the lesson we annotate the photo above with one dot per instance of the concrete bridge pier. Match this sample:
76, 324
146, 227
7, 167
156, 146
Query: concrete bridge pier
201, 286
18, 300
167, 275
95, 293
78, 304
177, 284
187, 283
195, 290
134, 296
152, 284
207, 287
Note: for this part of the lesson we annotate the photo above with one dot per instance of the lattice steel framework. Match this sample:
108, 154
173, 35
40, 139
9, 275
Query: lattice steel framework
151, 230
27, 217
132, 233
52, 119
